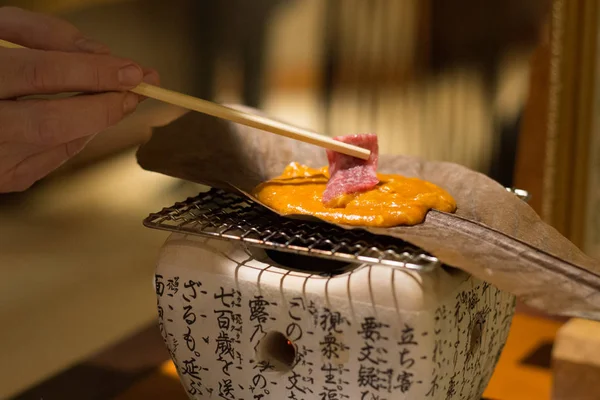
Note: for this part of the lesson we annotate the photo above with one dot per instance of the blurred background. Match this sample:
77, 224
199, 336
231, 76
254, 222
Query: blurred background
464, 81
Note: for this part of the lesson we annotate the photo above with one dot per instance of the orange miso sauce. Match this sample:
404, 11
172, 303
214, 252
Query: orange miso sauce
395, 201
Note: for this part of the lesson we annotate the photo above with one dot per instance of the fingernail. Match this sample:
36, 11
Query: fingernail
130, 75
130, 102
92, 46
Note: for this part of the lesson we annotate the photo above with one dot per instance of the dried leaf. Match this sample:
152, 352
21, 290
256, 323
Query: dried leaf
493, 235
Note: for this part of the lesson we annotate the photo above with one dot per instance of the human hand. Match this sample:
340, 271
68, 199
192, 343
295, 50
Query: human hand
37, 136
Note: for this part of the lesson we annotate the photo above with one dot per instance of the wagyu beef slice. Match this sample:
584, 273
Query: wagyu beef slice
349, 174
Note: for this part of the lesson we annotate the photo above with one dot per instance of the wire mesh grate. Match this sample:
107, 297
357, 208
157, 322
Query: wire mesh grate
228, 216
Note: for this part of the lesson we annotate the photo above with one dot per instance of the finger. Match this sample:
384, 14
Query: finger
33, 72
37, 166
44, 32
151, 76
13, 153
54, 122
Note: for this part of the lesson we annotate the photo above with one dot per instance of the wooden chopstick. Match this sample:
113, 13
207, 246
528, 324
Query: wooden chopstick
240, 117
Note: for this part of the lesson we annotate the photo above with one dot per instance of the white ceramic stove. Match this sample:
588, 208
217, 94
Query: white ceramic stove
256, 306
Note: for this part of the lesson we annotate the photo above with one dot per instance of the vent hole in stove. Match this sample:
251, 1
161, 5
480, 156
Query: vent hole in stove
277, 351
308, 264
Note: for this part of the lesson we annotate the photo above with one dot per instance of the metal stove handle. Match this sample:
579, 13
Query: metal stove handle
520, 193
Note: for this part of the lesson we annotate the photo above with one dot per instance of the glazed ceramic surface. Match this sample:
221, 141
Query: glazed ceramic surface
239, 326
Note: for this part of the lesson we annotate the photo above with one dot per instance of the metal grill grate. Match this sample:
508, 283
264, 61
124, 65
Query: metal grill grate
227, 216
